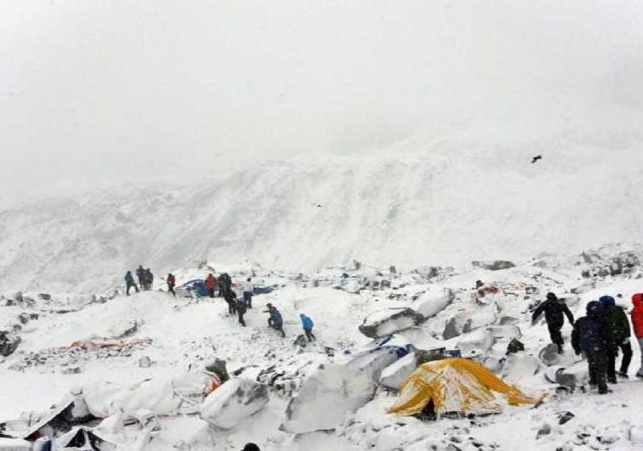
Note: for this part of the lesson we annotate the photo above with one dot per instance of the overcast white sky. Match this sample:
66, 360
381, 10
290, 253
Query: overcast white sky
94, 93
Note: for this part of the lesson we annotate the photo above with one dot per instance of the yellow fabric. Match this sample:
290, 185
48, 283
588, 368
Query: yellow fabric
456, 385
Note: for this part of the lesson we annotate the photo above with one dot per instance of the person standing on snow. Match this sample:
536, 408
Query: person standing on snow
225, 282
620, 332
171, 282
591, 336
248, 289
307, 324
149, 279
210, 283
637, 322
275, 320
140, 275
129, 281
230, 297
554, 309
241, 310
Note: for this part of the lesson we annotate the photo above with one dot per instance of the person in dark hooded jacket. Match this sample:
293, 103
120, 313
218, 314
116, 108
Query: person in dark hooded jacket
620, 332
275, 320
554, 309
591, 336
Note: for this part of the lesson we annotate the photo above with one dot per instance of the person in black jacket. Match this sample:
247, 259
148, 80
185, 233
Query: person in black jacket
241, 310
554, 309
591, 336
620, 332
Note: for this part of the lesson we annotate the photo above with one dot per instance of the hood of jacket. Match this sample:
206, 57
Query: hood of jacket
607, 300
595, 309
637, 300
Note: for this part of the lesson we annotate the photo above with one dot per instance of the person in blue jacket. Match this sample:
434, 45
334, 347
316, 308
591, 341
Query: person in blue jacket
275, 320
129, 281
307, 324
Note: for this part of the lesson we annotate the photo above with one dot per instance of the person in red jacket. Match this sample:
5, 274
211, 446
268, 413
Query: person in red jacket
210, 283
637, 322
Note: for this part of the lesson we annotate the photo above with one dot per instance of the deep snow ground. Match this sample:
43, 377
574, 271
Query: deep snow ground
187, 334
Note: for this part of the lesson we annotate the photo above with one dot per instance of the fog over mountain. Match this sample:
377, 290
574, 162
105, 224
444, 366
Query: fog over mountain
99, 95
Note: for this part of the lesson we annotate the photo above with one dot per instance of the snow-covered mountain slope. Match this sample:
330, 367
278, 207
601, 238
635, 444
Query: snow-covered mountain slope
449, 205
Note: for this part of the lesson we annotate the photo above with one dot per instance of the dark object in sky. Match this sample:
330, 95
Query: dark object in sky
536, 158
318, 205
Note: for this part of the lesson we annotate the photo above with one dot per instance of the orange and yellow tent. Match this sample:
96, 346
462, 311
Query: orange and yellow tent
456, 385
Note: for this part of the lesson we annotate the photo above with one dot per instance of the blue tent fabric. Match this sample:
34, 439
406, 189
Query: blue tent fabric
264, 290
197, 286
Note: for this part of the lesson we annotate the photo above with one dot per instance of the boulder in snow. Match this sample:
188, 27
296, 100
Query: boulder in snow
431, 303
233, 401
421, 339
494, 265
396, 373
550, 357
389, 321
8, 343
471, 320
476, 343
572, 376
520, 366
373, 361
326, 397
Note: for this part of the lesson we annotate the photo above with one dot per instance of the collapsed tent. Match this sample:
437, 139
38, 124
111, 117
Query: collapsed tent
456, 385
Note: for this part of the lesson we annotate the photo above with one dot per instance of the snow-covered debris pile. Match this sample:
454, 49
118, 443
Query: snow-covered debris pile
80, 352
161, 396
234, 401
326, 397
286, 377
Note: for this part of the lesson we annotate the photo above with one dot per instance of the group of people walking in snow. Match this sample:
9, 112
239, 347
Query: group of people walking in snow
238, 298
145, 280
599, 335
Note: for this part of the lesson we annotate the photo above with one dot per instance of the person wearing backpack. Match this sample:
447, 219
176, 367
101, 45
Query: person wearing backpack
307, 325
637, 323
129, 282
171, 283
591, 336
620, 332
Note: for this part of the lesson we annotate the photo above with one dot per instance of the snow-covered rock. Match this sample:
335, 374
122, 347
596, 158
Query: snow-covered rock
234, 401
519, 366
325, 399
389, 321
572, 376
420, 339
549, 356
396, 373
8, 343
470, 320
432, 303
373, 361
476, 343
